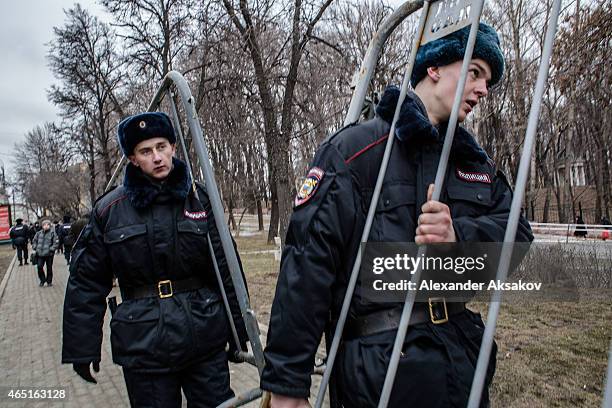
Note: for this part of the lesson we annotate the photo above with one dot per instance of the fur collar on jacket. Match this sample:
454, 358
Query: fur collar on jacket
141, 190
414, 126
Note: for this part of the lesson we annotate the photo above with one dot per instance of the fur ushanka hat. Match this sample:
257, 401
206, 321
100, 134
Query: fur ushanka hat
451, 48
134, 129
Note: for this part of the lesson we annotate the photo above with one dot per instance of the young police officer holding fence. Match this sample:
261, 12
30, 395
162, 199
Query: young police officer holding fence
438, 360
170, 331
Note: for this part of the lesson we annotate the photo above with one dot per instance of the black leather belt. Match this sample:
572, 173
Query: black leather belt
162, 289
437, 311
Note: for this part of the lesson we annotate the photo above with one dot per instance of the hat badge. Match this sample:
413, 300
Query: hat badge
142, 124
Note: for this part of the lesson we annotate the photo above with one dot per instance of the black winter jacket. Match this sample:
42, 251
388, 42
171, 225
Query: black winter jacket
326, 225
143, 233
19, 235
63, 233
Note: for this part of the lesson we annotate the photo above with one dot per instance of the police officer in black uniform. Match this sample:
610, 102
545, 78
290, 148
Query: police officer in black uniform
19, 237
170, 331
438, 358
65, 238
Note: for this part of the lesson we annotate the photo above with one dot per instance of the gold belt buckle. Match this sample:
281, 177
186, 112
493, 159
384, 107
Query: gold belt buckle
159, 289
432, 315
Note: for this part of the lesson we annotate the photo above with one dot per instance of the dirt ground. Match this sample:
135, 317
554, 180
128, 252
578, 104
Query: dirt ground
261, 271
550, 354
6, 256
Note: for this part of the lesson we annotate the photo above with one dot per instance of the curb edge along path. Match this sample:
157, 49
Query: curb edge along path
7, 276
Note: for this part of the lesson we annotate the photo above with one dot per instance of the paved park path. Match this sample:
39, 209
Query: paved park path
30, 346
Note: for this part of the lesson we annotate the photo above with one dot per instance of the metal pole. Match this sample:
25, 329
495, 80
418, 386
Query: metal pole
224, 295
368, 66
438, 184
607, 398
371, 211
179, 132
217, 208
515, 209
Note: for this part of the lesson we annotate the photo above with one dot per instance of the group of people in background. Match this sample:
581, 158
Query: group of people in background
46, 239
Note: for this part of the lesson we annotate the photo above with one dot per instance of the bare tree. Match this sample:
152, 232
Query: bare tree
277, 134
83, 57
152, 32
45, 172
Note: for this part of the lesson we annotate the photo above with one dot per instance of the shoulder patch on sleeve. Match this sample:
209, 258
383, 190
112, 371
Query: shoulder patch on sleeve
473, 177
310, 186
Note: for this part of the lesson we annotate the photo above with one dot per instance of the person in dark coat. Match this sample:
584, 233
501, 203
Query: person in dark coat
323, 237
19, 238
605, 234
76, 228
57, 227
44, 245
34, 228
171, 329
581, 231
65, 238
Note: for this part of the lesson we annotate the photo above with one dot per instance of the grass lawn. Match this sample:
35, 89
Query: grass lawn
550, 354
6, 256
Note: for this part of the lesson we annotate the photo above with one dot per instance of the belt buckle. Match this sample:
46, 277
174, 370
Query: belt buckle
436, 303
164, 293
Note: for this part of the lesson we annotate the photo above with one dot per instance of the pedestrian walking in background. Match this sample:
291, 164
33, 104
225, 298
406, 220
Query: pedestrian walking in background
57, 228
34, 228
19, 238
605, 234
44, 245
581, 231
65, 239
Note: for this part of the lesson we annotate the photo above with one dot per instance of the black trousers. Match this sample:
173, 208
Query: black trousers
41, 261
205, 384
22, 252
435, 370
67, 252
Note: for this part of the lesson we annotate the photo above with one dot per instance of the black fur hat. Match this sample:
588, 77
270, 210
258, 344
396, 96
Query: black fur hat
134, 129
451, 48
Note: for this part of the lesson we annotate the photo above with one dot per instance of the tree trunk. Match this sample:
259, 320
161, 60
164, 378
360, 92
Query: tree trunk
260, 220
92, 173
231, 221
274, 218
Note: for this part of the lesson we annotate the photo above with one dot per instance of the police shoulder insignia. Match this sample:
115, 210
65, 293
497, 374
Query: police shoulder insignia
474, 177
197, 215
310, 186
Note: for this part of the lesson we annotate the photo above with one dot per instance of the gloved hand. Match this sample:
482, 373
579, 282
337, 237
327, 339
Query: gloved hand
82, 369
233, 351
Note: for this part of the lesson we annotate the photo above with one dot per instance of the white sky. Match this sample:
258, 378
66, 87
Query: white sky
25, 28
